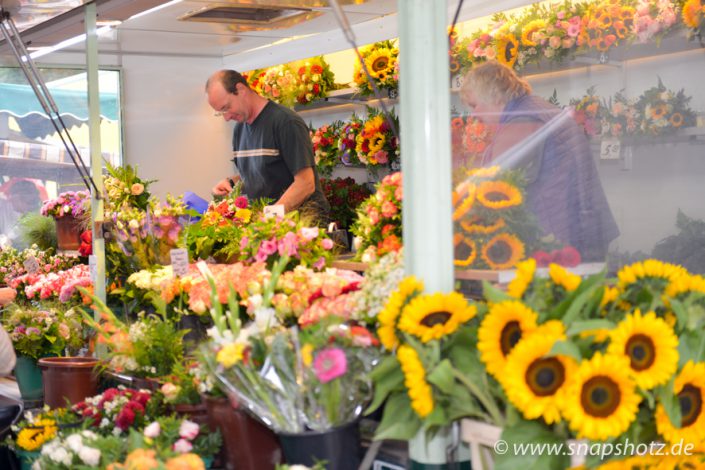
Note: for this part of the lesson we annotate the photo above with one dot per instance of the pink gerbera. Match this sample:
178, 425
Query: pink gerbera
330, 364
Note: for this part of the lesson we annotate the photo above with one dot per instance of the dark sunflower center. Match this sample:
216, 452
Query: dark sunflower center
545, 376
435, 318
509, 51
496, 196
600, 396
510, 336
691, 404
380, 63
641, 352
500, 252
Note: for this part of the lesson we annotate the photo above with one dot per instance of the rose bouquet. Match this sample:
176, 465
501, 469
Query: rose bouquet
344, 195
347, 140
557, 36
325, 147
280, 84
14, 265
378, 225
620, 116
587, 111
70, 203
314, 79
45, 332
381, 60
664, 111
653, 19
59, 285
376, 145
117, 410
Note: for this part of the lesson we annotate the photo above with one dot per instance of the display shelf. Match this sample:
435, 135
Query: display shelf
344, 98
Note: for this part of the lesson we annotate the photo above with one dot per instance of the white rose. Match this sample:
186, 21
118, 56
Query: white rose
74, 442
90, 456
152, 430
189, 430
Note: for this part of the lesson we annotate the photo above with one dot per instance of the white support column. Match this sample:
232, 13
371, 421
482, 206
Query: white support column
95, 149
425, 142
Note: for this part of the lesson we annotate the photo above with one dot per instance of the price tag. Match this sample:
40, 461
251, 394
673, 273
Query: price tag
275, 210
179, 261
610, 149
93, 268
31, 265
458, 81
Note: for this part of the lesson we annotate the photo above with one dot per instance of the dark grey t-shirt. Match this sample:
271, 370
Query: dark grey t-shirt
271, 150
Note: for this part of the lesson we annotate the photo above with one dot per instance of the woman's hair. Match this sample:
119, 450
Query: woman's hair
492, 82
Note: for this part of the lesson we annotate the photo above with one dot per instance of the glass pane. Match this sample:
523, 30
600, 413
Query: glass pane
34, 164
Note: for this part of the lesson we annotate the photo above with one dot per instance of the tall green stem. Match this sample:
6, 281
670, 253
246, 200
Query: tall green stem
486, 401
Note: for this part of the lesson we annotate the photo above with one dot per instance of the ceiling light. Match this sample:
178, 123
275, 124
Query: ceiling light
152, 10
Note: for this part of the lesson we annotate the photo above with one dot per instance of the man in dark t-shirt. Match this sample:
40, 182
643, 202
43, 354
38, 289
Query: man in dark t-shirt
272, 150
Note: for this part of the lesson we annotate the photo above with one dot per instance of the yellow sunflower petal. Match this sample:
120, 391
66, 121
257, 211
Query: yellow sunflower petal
436, 315
689, 386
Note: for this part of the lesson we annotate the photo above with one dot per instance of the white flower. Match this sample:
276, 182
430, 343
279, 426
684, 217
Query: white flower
265, 318
60, 455
117, 431
189, 430
152, 430
182, 446
90, 456
298, 467
74, 442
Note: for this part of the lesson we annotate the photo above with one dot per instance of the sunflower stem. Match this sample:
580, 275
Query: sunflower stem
486, 401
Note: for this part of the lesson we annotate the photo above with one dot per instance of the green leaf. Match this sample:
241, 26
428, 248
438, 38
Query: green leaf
442, 375
670, 402
387, 377
493, 294
587, 325
580, 297
680, 312
566, 348
527, 434
399, 420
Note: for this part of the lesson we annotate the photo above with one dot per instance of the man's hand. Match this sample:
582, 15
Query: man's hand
7, 295
225, 186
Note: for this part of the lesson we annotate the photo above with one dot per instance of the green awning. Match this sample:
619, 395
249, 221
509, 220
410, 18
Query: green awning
19, 100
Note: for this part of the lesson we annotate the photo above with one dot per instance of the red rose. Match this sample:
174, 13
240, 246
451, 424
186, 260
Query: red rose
317, 69
316, 88
568, 256
542, 258
125, 418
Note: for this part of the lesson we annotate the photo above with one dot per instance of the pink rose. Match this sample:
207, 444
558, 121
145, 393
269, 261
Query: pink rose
182, 446
152, 430
327, 243
189, 430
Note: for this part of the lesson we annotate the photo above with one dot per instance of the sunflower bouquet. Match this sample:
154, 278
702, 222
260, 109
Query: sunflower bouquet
378, 225
376, 145
587, 112
381, 59
694, 18
314, 79
607, 361
325, 147
429, 377
347, 140
493, 228
36, 429
606, 24
664, 111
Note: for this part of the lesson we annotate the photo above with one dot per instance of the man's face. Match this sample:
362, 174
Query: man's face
231, 107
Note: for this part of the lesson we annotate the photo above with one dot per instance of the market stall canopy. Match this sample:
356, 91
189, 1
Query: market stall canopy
20, 101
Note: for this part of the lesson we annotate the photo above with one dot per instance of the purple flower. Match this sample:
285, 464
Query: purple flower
330, 364
33, 331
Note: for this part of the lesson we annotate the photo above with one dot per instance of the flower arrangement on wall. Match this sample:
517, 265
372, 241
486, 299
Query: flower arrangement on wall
469, 139
347, 140
315, 79
664, 111
382, 62
325, 147
376, 145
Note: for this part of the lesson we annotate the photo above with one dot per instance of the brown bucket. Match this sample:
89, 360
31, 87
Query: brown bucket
68, 378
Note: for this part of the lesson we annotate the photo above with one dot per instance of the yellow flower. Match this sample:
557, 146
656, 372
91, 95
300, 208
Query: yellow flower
525, 271
632, 463
651, 273
380, 62
682, 286
387, 318
376, 142
598, 335
503, 251
484, 172
141, 459
41, 431
307, 354
528, 31
507, 50
689, 386
600, 400
419, 390
563, 278
230, 354
504, 325
476, 227
534, 382
243, 214
436, 315
609, 295
468, 246
649, 344
498, 195
692, 13
461, 209
185, 462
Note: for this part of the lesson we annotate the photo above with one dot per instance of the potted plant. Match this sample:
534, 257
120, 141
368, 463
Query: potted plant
68, 209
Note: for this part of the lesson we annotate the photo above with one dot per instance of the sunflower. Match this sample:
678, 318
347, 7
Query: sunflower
436, 315
638, 462
466, 253
609, 296
503, 251
379, 62
467, 203
683, 286
419, 390
691, 13
41, 431
689, 386
600, 401
676, 120
507, 50
387, 317
454, 65
658, 111
561, 277
476, 227
484, 172
650, 345
505, 324
525, 271
498, 195
651, 273
528, 31
533, 381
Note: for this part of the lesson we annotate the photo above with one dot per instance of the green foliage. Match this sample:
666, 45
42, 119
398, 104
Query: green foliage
36, 229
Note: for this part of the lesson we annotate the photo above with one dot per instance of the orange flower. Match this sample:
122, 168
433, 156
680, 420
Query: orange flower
388, 245
456, 123
676, 119
185, 462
